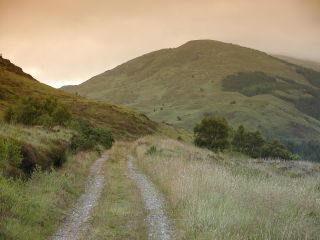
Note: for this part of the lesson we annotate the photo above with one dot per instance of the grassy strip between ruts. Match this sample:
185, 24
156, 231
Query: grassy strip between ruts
225, 197
32, 209
120, 213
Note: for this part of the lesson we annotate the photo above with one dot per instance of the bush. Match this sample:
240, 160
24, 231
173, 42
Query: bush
29, 158
81, 142
102, 136
10, 156
152, 150
255, 146
276, 150
38, 111
58, 155
88, 137
212, 133
249, 143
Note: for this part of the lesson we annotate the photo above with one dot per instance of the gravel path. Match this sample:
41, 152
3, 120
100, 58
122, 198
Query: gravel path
159, 226
75, 225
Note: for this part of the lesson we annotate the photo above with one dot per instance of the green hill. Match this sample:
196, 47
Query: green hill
124, 123
206, 77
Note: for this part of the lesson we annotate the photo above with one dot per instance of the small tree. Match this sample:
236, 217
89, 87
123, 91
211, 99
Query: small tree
212, 133
249, 143
275, 149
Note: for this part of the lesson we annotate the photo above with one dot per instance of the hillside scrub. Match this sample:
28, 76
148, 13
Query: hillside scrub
48, 113
38, 111
89, 137
10, 156
223, 196
22, 148
215, 134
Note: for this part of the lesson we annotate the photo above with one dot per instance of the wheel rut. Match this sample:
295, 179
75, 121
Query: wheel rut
158, 224
75, 224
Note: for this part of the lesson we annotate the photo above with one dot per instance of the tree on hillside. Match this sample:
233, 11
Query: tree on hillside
276, 150
212, 133
250, 143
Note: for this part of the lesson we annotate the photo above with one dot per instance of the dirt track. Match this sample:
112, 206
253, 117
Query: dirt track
74, 226
159, 226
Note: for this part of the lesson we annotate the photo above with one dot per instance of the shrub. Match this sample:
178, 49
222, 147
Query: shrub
212, 133
88, 136
255, 146
10, 155
58, 155
275, 149
29, 158
81, 142
179, 138
152, 150
249, 143
102, 136
33, 111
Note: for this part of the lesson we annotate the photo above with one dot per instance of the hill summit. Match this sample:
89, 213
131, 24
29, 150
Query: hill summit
206, 77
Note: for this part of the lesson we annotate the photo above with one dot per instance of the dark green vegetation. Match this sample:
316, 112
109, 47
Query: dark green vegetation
256, 83
215, 134
212, 133
203, 78
89, 137
38, 111
310, 150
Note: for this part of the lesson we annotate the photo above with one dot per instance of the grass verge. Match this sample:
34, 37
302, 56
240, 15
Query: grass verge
120, 213
32, 209
222, 197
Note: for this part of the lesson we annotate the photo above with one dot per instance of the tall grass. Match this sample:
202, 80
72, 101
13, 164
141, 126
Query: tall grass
220, 197
32, 209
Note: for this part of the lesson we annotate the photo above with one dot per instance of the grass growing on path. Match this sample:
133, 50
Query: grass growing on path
32, 209
223, 197
120, 212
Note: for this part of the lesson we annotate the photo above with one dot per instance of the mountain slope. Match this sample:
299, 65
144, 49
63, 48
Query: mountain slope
206, 77
124, 123
305, 63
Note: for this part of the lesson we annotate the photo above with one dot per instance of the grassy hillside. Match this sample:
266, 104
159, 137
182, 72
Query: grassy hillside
305, 63
223, 196
124, 123
206, 77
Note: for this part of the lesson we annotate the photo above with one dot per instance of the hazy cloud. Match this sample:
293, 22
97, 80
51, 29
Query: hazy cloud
64, 42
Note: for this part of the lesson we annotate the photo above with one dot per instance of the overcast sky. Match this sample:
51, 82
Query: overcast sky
64, 42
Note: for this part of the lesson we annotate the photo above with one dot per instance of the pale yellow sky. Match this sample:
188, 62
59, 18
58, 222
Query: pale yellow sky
68, 41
